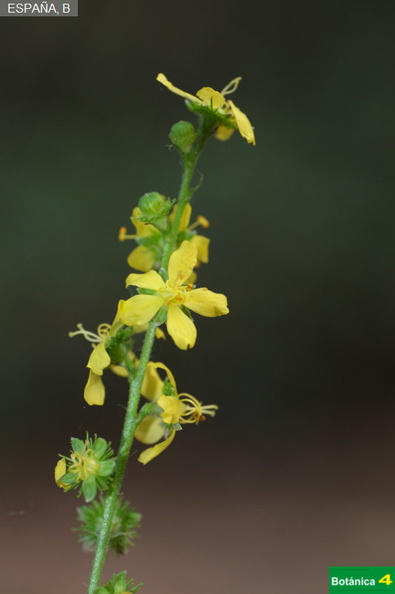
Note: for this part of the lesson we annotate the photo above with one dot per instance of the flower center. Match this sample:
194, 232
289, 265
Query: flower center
84, 465
174, 294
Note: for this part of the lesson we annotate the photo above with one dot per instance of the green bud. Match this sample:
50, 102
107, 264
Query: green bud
182, 135
151, 204
154, 208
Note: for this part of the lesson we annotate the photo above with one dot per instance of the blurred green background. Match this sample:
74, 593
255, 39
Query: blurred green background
302, 243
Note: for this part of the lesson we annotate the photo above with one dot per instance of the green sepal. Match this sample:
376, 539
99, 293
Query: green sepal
211, 116
100, 446
106, 468
118, 345
167, 388
148, 409
77, 444
154, 208
69, 478
161, 316
119, 585
89, 489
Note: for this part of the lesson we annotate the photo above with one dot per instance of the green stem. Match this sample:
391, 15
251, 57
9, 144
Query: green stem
131, 418
185, 194
129, 428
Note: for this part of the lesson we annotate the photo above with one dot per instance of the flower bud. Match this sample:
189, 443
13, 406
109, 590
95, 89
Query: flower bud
151, 204
154, 208
182, 135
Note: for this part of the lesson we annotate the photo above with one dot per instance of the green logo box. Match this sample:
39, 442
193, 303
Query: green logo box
362, 579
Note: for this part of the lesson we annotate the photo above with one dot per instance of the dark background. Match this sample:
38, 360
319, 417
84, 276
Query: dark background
296, 472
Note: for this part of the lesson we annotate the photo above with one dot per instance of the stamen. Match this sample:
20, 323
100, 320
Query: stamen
122, 235
84, 465
200, 220
194, 411
103, 331
231, 87
205, 223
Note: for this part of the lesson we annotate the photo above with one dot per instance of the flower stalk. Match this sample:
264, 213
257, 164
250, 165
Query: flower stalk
167, 253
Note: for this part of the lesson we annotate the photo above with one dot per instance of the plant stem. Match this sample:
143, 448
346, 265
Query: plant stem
130, 422
122, 458
184, 196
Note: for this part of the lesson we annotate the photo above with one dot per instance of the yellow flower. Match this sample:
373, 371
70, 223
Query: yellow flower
177, 408
99, 360
216, 102
175, 295
143, 257
199, 241
147, 255
94, 392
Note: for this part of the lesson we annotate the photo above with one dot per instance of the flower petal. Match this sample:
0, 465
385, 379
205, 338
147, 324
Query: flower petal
141, 258
181, 328
149, 280
140, 309
243, 123
119, 370
185, 218
213, 99
169, 373
181, 263
201, 243
150, 430
94, 392
223, 133
60, 470
162, 79
152, 383
99, 358
171, 409
206, 303
142, 229
150, 453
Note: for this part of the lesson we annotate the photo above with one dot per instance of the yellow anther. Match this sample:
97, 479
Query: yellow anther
122, 234
200, 220
203, 222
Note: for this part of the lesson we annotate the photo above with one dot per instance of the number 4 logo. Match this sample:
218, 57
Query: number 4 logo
386, 579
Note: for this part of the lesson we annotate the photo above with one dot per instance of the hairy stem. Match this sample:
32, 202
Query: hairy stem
184, 196
129, 428
130, 423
